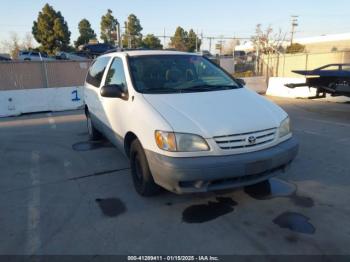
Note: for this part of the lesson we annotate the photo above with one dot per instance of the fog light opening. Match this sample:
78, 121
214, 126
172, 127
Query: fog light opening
199, 184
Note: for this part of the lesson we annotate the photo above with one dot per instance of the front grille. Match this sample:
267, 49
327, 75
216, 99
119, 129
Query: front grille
238, 141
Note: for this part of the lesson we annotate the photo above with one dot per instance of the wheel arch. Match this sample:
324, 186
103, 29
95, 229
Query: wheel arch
129, 137
86, 110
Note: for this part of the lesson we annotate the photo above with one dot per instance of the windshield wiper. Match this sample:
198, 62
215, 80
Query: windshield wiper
203, 88
159, 91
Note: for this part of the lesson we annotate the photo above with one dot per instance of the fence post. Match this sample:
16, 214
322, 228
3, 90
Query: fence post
306, 60
46, 80
284, 63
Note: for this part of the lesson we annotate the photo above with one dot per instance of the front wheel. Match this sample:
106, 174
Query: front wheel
141, 174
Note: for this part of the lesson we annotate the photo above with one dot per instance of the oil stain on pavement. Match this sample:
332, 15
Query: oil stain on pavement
278, 188
207, 212
295, 222
91, 145
270, 189
111, 207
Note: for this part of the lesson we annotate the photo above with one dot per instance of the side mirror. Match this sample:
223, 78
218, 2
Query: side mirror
241, 81
114, 91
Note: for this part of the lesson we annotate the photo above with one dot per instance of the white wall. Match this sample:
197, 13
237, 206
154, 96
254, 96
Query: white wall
16, 102
256, 83
277, 87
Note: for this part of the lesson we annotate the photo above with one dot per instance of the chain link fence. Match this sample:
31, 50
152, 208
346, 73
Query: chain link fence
282, 65
17, 75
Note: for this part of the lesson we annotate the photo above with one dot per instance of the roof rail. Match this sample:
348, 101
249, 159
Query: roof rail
137, 49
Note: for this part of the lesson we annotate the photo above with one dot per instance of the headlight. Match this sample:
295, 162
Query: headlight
179, 142
284, 127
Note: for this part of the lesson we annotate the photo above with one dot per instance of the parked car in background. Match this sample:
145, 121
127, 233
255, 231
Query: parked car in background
34, 56
184, 123
5, 58
94, 50
240, 57
206, 53
209, 55
70, 56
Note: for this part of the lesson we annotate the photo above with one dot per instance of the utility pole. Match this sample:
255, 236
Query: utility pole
294, 21
200, 47
119, 40
164, 36
197, 41
127, 34
210, 38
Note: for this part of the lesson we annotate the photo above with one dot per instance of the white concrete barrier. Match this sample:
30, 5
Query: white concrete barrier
256, 83
16, 102
277, 87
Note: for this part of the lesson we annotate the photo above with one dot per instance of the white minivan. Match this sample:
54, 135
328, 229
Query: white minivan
184, 123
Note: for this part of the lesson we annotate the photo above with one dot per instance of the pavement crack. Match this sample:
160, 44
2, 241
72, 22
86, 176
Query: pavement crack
99, 173
65, 180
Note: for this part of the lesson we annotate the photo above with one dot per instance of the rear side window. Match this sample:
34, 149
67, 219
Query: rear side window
96, 71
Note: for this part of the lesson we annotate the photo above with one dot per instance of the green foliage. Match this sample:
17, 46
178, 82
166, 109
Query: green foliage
295, 48
86, 33
132, 37
109, 28
179, 40
243, 74
185, 41
192, 41
51, 30
151, 42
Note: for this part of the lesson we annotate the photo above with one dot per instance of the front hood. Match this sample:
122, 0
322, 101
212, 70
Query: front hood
217, 113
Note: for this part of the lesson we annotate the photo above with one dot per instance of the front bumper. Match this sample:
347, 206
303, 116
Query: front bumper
201, 174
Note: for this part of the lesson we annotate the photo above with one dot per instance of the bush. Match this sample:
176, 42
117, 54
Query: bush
295, 48
248, 73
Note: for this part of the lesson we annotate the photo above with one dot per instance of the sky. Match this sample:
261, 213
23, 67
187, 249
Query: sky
212, 18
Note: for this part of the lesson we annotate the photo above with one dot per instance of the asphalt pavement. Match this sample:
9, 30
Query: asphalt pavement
63, 194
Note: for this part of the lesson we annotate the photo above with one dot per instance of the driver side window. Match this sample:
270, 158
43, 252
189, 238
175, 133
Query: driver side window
116, 75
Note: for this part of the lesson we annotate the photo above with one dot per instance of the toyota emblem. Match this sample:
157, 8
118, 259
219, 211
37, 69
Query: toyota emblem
251, 140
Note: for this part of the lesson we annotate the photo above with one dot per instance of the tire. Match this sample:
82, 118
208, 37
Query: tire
141, 174
94, 134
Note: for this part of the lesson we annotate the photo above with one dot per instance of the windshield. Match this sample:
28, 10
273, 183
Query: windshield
155, 74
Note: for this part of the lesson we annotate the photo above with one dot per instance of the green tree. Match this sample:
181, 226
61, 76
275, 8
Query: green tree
185, 41
51, 30
152, 42
109, 28
179, 40
86, 33
295, 48
192, 41
132, 37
